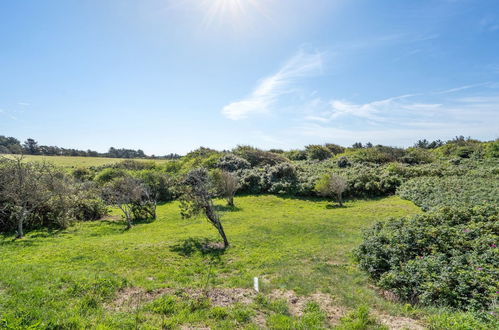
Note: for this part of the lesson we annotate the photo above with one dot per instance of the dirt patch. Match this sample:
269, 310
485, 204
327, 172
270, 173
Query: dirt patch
399, 322
297, 303
130, 298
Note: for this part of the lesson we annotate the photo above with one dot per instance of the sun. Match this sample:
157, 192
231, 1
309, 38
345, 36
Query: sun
234, 12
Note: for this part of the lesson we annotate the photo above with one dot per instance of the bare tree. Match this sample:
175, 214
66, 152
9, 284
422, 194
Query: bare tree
124, 193
197, 198
227, 185
23, 188
332, 185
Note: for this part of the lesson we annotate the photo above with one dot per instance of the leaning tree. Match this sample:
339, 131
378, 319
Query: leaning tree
196, 198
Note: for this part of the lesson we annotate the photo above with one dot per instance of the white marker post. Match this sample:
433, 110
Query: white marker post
255, 284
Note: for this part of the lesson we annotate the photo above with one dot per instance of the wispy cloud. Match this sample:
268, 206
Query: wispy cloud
7, 114
265, 95
421, 113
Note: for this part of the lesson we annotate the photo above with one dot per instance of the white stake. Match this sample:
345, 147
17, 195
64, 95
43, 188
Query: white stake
255, 284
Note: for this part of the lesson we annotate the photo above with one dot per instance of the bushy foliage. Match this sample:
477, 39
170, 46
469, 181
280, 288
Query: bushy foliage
232, 163
282, 178
447, 257
257, 157
318, 152
36, 196
429, 192
343, 162
379, 154
109, 174
295, 154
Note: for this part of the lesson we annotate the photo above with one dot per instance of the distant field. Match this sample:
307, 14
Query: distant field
70, 161
96, 274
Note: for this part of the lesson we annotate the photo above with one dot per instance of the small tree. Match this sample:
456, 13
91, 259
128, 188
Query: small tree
125, 193
332, 185
196, 198
227, 184
23, 188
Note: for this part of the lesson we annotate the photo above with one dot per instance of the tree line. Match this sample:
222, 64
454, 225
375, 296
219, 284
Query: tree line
11, 145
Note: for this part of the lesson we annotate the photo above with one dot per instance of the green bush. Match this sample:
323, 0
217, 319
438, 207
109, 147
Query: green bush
447, 257
429, 192
318, 152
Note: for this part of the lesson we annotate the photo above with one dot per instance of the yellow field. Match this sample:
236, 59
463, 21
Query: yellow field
70, 161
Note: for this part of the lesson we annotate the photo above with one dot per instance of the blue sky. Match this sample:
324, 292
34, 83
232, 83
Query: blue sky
169, 76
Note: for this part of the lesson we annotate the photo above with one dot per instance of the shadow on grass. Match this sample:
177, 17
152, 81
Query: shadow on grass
205, 246
336, 206
10, 237
227, 208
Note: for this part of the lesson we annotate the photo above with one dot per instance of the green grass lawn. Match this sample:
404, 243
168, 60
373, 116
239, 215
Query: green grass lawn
70, 278
74, 162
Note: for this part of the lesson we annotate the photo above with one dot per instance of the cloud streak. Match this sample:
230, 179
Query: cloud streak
268, 91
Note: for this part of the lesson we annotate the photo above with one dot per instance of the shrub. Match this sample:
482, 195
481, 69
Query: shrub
282, 178
257, 157
318, 152
232, 163
343, 162
429, 192
334, 148
109, 174
296, 154
446, 257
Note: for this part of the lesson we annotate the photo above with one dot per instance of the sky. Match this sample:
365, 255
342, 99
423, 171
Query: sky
172, 75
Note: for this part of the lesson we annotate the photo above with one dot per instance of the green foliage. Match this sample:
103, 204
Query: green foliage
463, 321
447, 257
257, 157
295, 155
318, 152
232, 163
360, 319
429, 192
109, 174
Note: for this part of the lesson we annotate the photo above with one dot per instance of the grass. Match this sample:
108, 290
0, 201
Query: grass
66, 279
74, 162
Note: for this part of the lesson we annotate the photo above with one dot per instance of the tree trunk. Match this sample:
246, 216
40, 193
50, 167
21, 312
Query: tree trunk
20, 224
210, 214
340, 199
230, 201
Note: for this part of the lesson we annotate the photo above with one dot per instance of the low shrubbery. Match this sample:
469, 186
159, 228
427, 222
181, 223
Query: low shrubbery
429, 192
447, 257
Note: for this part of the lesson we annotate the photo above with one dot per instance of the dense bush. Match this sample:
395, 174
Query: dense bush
318, 152
36, 195
447, 257
257, 157
282, 179
232, 163
429, 192
295, 154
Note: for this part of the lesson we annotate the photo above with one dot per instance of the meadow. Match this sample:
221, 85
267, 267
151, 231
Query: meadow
76, 162
401, 253
70, 278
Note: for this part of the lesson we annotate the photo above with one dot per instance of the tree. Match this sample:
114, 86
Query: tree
196, 198
23, 189
227, 184
332, 185
125, 193
31, 146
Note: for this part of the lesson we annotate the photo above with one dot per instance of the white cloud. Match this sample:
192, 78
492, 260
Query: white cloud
268, 91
